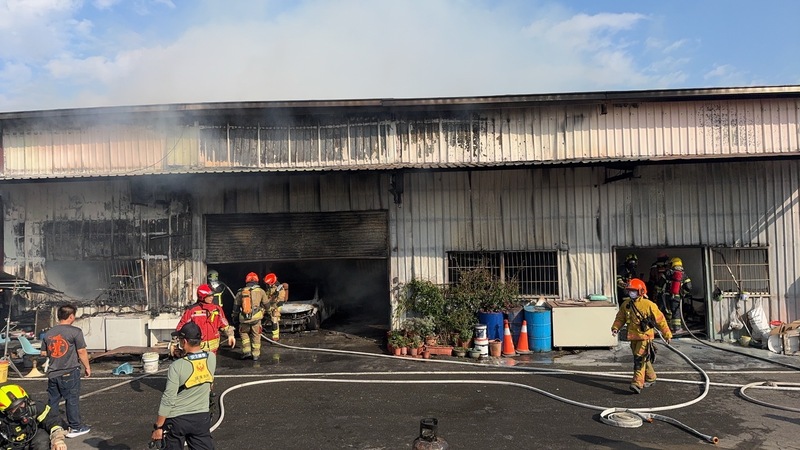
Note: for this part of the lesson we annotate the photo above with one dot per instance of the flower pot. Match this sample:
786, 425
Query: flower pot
413, 351
397, 351
426, 354
495, 347
459, 352
474, 354
404, 351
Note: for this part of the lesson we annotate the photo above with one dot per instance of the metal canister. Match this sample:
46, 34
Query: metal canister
428, 440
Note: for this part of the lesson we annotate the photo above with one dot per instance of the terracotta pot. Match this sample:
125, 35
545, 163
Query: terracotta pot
413, 351
495, 347
404, 351
426, 354
397, 351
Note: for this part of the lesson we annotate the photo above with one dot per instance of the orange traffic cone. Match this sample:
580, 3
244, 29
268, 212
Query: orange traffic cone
508, 343
522, 343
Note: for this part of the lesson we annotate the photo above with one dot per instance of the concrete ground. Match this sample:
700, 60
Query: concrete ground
301, 399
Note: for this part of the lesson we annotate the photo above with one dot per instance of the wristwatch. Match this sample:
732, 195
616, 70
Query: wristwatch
157, 427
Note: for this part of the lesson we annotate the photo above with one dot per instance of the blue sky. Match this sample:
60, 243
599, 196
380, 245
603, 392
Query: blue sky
72, 53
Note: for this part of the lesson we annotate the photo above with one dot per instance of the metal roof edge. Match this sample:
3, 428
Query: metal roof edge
789, 91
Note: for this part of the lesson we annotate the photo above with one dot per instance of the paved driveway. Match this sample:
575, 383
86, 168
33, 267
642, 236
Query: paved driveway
301, 400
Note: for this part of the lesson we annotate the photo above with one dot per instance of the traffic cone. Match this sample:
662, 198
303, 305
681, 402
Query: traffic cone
508, 342
522, 343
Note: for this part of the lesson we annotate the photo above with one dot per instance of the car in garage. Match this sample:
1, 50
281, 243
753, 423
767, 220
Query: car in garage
305, 310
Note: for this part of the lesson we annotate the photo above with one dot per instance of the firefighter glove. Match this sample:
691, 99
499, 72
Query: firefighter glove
57, 436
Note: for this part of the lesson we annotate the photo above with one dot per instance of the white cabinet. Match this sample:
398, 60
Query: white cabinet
582, 324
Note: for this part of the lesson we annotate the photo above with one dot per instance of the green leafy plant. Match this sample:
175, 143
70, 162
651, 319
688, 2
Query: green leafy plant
486, 291
422, 297
420, 326
397, 338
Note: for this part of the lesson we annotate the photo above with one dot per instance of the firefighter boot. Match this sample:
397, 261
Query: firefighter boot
276, 331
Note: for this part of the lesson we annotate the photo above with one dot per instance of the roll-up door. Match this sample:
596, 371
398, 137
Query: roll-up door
233, 238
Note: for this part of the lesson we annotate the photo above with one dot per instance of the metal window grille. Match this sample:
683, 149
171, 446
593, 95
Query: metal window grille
741, 269
536, 272
124, 285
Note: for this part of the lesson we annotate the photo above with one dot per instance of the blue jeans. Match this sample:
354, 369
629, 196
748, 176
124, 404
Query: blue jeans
68, 387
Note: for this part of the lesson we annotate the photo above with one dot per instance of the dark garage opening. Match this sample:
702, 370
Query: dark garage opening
356, 288
343, 254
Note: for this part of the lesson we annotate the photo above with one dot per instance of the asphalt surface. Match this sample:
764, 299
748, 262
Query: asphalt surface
302, 399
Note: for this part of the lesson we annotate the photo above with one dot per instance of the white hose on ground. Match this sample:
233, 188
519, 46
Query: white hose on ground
607, 414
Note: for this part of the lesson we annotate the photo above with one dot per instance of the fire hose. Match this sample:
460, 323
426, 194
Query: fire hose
620, 417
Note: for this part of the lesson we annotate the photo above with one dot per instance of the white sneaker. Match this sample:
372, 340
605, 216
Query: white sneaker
75, 432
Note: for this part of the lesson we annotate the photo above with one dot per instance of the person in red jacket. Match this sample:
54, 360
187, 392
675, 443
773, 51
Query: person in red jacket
210, 318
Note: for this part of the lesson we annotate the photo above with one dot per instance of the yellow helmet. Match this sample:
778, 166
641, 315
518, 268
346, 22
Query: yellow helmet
674, 262
14, 401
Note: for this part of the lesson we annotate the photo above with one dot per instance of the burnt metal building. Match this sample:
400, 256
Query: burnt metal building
130, 206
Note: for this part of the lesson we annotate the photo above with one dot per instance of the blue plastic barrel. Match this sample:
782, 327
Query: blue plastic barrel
540, 329
494, 324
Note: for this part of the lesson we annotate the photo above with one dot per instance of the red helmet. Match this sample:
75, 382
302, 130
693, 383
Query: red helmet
637, 285
270, 278
204, 291
251, 277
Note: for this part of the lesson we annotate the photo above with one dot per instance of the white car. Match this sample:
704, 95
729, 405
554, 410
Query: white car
305, 310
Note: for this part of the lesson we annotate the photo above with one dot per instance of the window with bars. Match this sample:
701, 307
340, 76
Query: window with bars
745, 269
536, 272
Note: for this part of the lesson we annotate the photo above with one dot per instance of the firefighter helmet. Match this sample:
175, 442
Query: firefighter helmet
637, 285
675, 262
204, 291
631, 257
213, 275
251, 277
14, 402
270, 278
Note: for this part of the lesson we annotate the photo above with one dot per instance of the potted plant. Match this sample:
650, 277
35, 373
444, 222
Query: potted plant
396, 341
414, 344
424, 327
459, 351
490, 296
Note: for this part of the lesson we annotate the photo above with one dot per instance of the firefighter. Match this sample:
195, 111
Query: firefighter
26, 424
277, 293
219, 288
210, 318
657, 278
249, 306
677, 286
641, 316
626, 273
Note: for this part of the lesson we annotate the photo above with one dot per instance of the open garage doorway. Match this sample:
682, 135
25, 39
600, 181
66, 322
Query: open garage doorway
696, 304
354, 290
342, 257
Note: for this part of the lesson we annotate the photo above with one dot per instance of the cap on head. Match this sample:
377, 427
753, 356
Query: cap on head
270, 278
189, 330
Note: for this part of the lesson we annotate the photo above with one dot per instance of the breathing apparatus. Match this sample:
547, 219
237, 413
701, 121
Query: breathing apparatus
17, 423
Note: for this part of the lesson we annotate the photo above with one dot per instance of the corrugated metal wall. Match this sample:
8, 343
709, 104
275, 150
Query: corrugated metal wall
552, 134
574, 212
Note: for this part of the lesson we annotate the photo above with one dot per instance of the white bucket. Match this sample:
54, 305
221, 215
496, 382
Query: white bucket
482, 345
150, 362
480, 332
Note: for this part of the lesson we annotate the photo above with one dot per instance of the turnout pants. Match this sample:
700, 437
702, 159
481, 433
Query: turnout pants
642, 364
251, 338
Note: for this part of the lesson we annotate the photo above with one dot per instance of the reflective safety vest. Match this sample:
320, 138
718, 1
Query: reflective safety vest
200, 373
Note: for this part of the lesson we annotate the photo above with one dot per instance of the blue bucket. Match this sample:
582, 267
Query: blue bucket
494, 324
540, 329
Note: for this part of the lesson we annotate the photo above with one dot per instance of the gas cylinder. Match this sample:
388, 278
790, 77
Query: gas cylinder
428, 440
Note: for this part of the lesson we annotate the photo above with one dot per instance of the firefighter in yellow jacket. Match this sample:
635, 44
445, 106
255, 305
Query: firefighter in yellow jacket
277, 293
642, 316
249, 305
